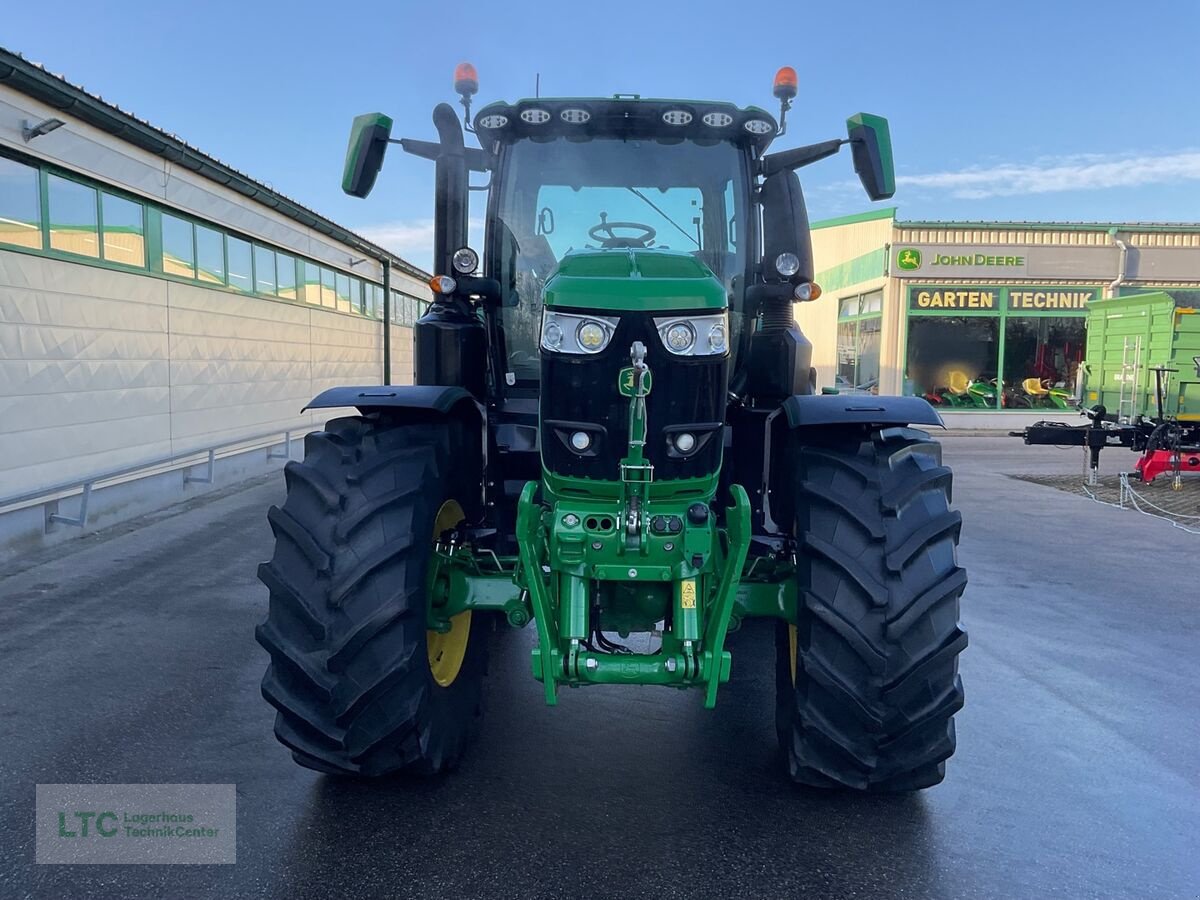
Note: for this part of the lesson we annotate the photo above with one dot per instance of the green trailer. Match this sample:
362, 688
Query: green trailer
1131, 338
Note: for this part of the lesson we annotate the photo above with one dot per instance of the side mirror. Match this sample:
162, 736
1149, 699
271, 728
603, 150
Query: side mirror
369, 136
871, 144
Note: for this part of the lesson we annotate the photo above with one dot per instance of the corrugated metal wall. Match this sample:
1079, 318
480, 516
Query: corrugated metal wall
101, 369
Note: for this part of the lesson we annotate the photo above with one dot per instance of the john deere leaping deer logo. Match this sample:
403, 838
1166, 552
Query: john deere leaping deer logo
909, 259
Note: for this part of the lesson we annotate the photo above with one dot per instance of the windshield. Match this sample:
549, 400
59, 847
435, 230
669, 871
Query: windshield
561, 195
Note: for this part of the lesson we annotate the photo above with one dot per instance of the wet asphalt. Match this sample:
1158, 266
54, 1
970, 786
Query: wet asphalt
128, 656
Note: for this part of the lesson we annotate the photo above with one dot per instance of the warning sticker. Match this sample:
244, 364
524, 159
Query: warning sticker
687, 594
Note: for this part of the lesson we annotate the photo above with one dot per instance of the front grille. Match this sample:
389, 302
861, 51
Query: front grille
581, 391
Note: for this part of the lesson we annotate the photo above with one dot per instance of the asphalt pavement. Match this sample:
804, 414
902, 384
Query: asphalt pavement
129, 656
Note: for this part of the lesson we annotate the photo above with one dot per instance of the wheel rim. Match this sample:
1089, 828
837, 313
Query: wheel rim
448, 649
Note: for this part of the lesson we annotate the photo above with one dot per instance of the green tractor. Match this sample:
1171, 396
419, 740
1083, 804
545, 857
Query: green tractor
613, 435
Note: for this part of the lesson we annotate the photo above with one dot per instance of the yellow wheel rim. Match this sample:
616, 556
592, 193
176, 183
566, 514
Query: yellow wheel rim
447, 650
792, 651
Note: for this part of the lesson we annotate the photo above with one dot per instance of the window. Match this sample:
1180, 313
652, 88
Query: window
72, 217
285, 268
210, 255
859, 332
953, 360
178, 247
264, 270
237, 253
328, 296
1041, 360
20, 205
89, 220
312, 283
124, 230
685, 193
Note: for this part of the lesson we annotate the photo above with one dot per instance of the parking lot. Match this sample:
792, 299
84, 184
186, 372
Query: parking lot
130, 657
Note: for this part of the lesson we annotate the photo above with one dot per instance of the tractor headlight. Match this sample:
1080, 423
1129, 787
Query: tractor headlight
716, 338
592, 336
787, 264
566, 333
679, 337
465, 261
679, 334
552, 335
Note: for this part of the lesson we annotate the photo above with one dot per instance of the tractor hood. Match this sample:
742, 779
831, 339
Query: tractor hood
642, 280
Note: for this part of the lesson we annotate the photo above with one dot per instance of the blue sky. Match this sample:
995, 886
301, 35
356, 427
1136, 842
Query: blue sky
1014, 110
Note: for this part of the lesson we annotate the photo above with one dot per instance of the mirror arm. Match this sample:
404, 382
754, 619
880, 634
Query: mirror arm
800, 156
477, 160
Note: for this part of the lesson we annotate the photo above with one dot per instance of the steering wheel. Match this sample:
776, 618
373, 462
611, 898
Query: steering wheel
640, 240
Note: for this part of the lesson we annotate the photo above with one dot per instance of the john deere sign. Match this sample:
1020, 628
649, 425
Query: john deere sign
990, 263
934, 260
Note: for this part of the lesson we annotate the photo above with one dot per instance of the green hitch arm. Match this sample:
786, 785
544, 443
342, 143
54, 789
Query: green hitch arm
528, 526
738, 520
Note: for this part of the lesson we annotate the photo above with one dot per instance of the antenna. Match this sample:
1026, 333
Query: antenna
537, 85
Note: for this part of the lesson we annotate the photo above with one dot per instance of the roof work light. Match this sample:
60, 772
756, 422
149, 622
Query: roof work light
787, 85
466, 85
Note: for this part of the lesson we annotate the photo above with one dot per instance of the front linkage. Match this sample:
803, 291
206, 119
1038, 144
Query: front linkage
659, 547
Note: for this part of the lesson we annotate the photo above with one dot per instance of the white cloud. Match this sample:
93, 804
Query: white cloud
412, 239
1089, 172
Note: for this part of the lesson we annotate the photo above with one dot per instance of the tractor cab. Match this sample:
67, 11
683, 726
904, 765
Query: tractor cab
577, 176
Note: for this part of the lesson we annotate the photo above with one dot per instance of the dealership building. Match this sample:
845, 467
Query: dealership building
984, 319
164, 318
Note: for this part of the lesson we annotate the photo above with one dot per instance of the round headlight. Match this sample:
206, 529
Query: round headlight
685, 442
591, 336
680, 337
552, 335
581, 440
716, 338
787, 264
465, 261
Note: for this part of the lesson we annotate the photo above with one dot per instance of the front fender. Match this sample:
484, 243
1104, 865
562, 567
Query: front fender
463, 416
436, 398
806, 410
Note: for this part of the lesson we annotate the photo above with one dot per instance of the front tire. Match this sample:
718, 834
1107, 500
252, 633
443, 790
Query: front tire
868, 674
359, 686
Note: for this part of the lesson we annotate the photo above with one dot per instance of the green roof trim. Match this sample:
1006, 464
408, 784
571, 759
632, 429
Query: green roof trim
869, 266
887, 212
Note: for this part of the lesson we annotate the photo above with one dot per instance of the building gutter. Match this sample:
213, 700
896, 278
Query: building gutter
1113, 285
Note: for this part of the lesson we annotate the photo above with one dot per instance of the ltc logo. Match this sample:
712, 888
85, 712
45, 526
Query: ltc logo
909, 259
82, 820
